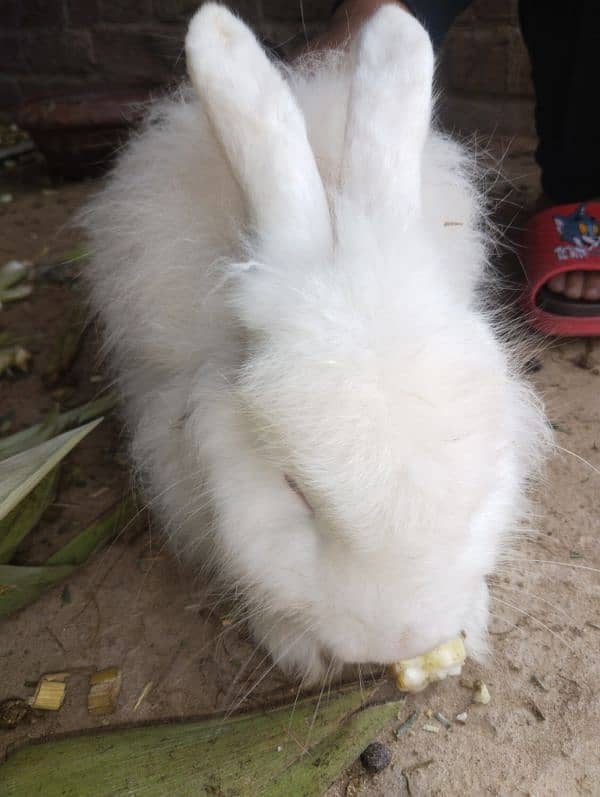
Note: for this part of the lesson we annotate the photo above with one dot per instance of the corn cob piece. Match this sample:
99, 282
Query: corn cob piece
413, 675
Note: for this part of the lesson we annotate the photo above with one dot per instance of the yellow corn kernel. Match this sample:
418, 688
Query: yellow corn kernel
413, 675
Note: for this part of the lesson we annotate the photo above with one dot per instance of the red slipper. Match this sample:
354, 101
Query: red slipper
560, 239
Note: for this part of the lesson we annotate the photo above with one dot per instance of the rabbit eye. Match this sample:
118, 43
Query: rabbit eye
292, 484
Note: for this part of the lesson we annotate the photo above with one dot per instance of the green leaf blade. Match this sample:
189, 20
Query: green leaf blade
81, 547
21, 473
312, 775
24, 517
236, 757
21, 585
54, 424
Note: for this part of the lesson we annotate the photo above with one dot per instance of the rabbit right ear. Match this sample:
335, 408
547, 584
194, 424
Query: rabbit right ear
262, 130
389, 115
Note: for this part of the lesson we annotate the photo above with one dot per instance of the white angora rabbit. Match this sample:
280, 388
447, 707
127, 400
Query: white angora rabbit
286, 263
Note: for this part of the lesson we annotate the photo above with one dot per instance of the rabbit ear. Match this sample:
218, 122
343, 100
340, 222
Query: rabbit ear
262, 131
389, 115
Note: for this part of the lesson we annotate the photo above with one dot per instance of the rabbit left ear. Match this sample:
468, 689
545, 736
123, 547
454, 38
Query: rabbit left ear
389, 115
262, 130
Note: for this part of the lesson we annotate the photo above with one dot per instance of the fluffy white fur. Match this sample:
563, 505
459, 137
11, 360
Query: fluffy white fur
286, 266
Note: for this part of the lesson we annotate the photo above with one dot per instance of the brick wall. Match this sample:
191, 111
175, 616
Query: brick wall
485, 71
53, 46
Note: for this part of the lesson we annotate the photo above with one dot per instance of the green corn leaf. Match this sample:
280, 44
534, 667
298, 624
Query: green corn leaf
284, 752
21, 473
312, 774
54, 424
15, 294
20, 585
81, 547
24, 517
32, 436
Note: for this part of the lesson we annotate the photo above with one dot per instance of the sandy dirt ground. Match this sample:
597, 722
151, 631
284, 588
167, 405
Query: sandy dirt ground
135, 607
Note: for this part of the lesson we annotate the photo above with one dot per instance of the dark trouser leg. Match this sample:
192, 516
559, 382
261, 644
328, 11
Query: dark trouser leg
564, 42
437, 16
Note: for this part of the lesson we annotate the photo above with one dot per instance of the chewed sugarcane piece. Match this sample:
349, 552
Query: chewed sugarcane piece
105, 686
413, 675
50, 692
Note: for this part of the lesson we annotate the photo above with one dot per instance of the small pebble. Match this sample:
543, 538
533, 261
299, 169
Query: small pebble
375, 757
6, 198
462, 717
279, 748
431, 728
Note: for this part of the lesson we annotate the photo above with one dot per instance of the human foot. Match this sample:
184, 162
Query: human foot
561, 259
577, 285
582, 230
